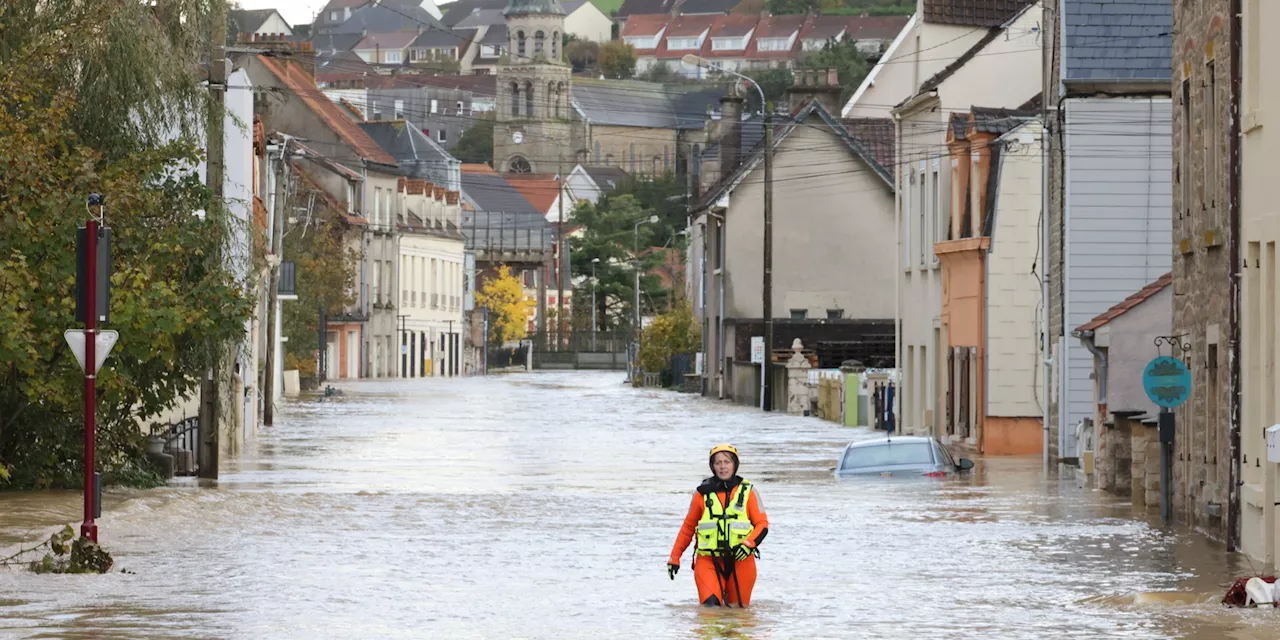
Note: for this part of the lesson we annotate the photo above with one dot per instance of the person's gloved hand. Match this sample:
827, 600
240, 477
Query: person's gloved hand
672, 570
742, 552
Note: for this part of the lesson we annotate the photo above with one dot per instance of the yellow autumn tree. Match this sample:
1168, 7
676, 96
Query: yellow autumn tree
508, 309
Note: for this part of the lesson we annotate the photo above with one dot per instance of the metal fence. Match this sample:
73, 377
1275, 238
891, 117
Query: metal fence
182, 441
581, 341
525, 232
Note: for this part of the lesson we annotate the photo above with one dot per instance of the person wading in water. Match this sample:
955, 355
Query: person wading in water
729, 523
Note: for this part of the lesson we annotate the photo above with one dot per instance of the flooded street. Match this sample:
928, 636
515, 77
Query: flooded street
545, 505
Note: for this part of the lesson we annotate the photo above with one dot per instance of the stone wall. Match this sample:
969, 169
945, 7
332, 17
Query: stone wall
1201, 308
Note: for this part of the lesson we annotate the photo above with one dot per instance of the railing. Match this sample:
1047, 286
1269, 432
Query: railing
581, 341
182, 441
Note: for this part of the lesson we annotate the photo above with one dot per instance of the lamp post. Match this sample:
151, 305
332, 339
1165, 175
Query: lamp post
594, 262
635, 256
766, 402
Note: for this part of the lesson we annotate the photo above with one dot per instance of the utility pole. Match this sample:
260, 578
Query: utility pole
274, 214
218, 72
766, 400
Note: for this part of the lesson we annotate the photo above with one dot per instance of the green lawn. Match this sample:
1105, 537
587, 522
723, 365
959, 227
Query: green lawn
607, 6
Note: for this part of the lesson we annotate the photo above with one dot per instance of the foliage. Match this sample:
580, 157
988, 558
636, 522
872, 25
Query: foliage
674, 331
773, 82
582, 54
65, 554
508, 308
126, 66
174, 299
325, 278
609, 234
850, 64
617, 60
660, 71
475, 145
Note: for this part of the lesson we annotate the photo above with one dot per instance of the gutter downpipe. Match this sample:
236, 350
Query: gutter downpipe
1233, 216
1046, 141
1086, 339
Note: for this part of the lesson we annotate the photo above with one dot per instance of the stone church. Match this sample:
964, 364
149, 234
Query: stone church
547, 123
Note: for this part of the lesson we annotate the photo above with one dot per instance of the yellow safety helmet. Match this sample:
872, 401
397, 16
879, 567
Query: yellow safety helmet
723, 448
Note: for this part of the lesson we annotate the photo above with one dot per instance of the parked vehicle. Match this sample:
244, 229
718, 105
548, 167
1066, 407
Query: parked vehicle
900, 456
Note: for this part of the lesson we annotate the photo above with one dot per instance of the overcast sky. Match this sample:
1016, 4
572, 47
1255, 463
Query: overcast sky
294, 11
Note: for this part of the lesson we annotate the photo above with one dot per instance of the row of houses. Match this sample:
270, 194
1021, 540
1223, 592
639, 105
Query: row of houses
738, 42
1073, 189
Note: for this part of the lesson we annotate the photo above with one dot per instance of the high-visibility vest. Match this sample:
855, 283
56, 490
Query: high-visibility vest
722, 528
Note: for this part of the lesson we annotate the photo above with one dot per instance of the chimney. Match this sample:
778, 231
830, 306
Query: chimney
730, 131
819, 85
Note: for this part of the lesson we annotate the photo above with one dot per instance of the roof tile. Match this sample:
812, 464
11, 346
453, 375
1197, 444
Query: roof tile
976, 13
1130, 40
1125, 305
301, 84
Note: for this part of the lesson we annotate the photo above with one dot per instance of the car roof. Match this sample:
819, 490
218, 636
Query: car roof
887, 441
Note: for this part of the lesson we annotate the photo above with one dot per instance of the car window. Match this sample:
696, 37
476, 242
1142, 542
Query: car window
888, 454
944, 455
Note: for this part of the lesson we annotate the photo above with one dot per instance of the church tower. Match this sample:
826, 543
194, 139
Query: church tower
533, 129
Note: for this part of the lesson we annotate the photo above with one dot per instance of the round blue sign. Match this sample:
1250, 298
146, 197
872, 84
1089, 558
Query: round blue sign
1167, 381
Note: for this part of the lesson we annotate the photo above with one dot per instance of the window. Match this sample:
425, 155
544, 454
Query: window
680, 44
528, 99
334, 16
922, 215
1211, 434
417, 55
515, 99
1210, 159
377, 282
399, 109
538, 39
351, 197
940, 221
520, 43
555, 45
377, 204
441, 136
489, 51
460, 109
726, 44
435, 106
905, 217
1184, 176
888, 454
393, 57
520, 165
835, 314
773, 44
346, 13
799, 314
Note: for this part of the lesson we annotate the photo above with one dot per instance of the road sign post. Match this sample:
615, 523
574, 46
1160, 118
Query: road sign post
1167, 381
93, 263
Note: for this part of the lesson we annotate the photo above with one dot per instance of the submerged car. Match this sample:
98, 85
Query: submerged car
900, 456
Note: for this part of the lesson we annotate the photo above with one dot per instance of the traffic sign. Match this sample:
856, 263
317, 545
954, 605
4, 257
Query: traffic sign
1167, 381
757, 349
103, 341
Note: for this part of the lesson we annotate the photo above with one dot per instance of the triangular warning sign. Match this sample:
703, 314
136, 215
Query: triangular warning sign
102, 345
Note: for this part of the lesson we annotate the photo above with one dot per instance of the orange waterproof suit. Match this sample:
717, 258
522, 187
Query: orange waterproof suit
722, 583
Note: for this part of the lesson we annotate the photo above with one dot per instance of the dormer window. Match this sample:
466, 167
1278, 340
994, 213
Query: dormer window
773, 44
682, 44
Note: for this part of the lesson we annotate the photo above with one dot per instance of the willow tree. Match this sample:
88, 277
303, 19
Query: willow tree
104, 96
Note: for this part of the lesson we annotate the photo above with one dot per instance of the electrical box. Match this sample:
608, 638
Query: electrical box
1273, 443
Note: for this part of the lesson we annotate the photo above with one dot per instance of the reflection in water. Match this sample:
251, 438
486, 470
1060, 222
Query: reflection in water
544, 505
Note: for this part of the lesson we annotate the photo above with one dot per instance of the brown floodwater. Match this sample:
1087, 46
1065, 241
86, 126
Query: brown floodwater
545, 505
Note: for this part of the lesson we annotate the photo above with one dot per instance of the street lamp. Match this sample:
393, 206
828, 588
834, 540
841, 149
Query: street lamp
767, 296
594, 262
636, 257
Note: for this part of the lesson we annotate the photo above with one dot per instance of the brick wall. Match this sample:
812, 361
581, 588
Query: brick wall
1201, 308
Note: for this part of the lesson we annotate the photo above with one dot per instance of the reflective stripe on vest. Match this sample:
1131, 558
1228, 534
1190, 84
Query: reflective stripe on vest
721, 528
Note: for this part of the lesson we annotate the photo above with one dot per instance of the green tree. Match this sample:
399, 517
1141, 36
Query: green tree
609, 234
325, 274
617, 60
671, 332
582, 54
475, 145
509, 310
91, 93
850, 64
773, 82
661, 72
